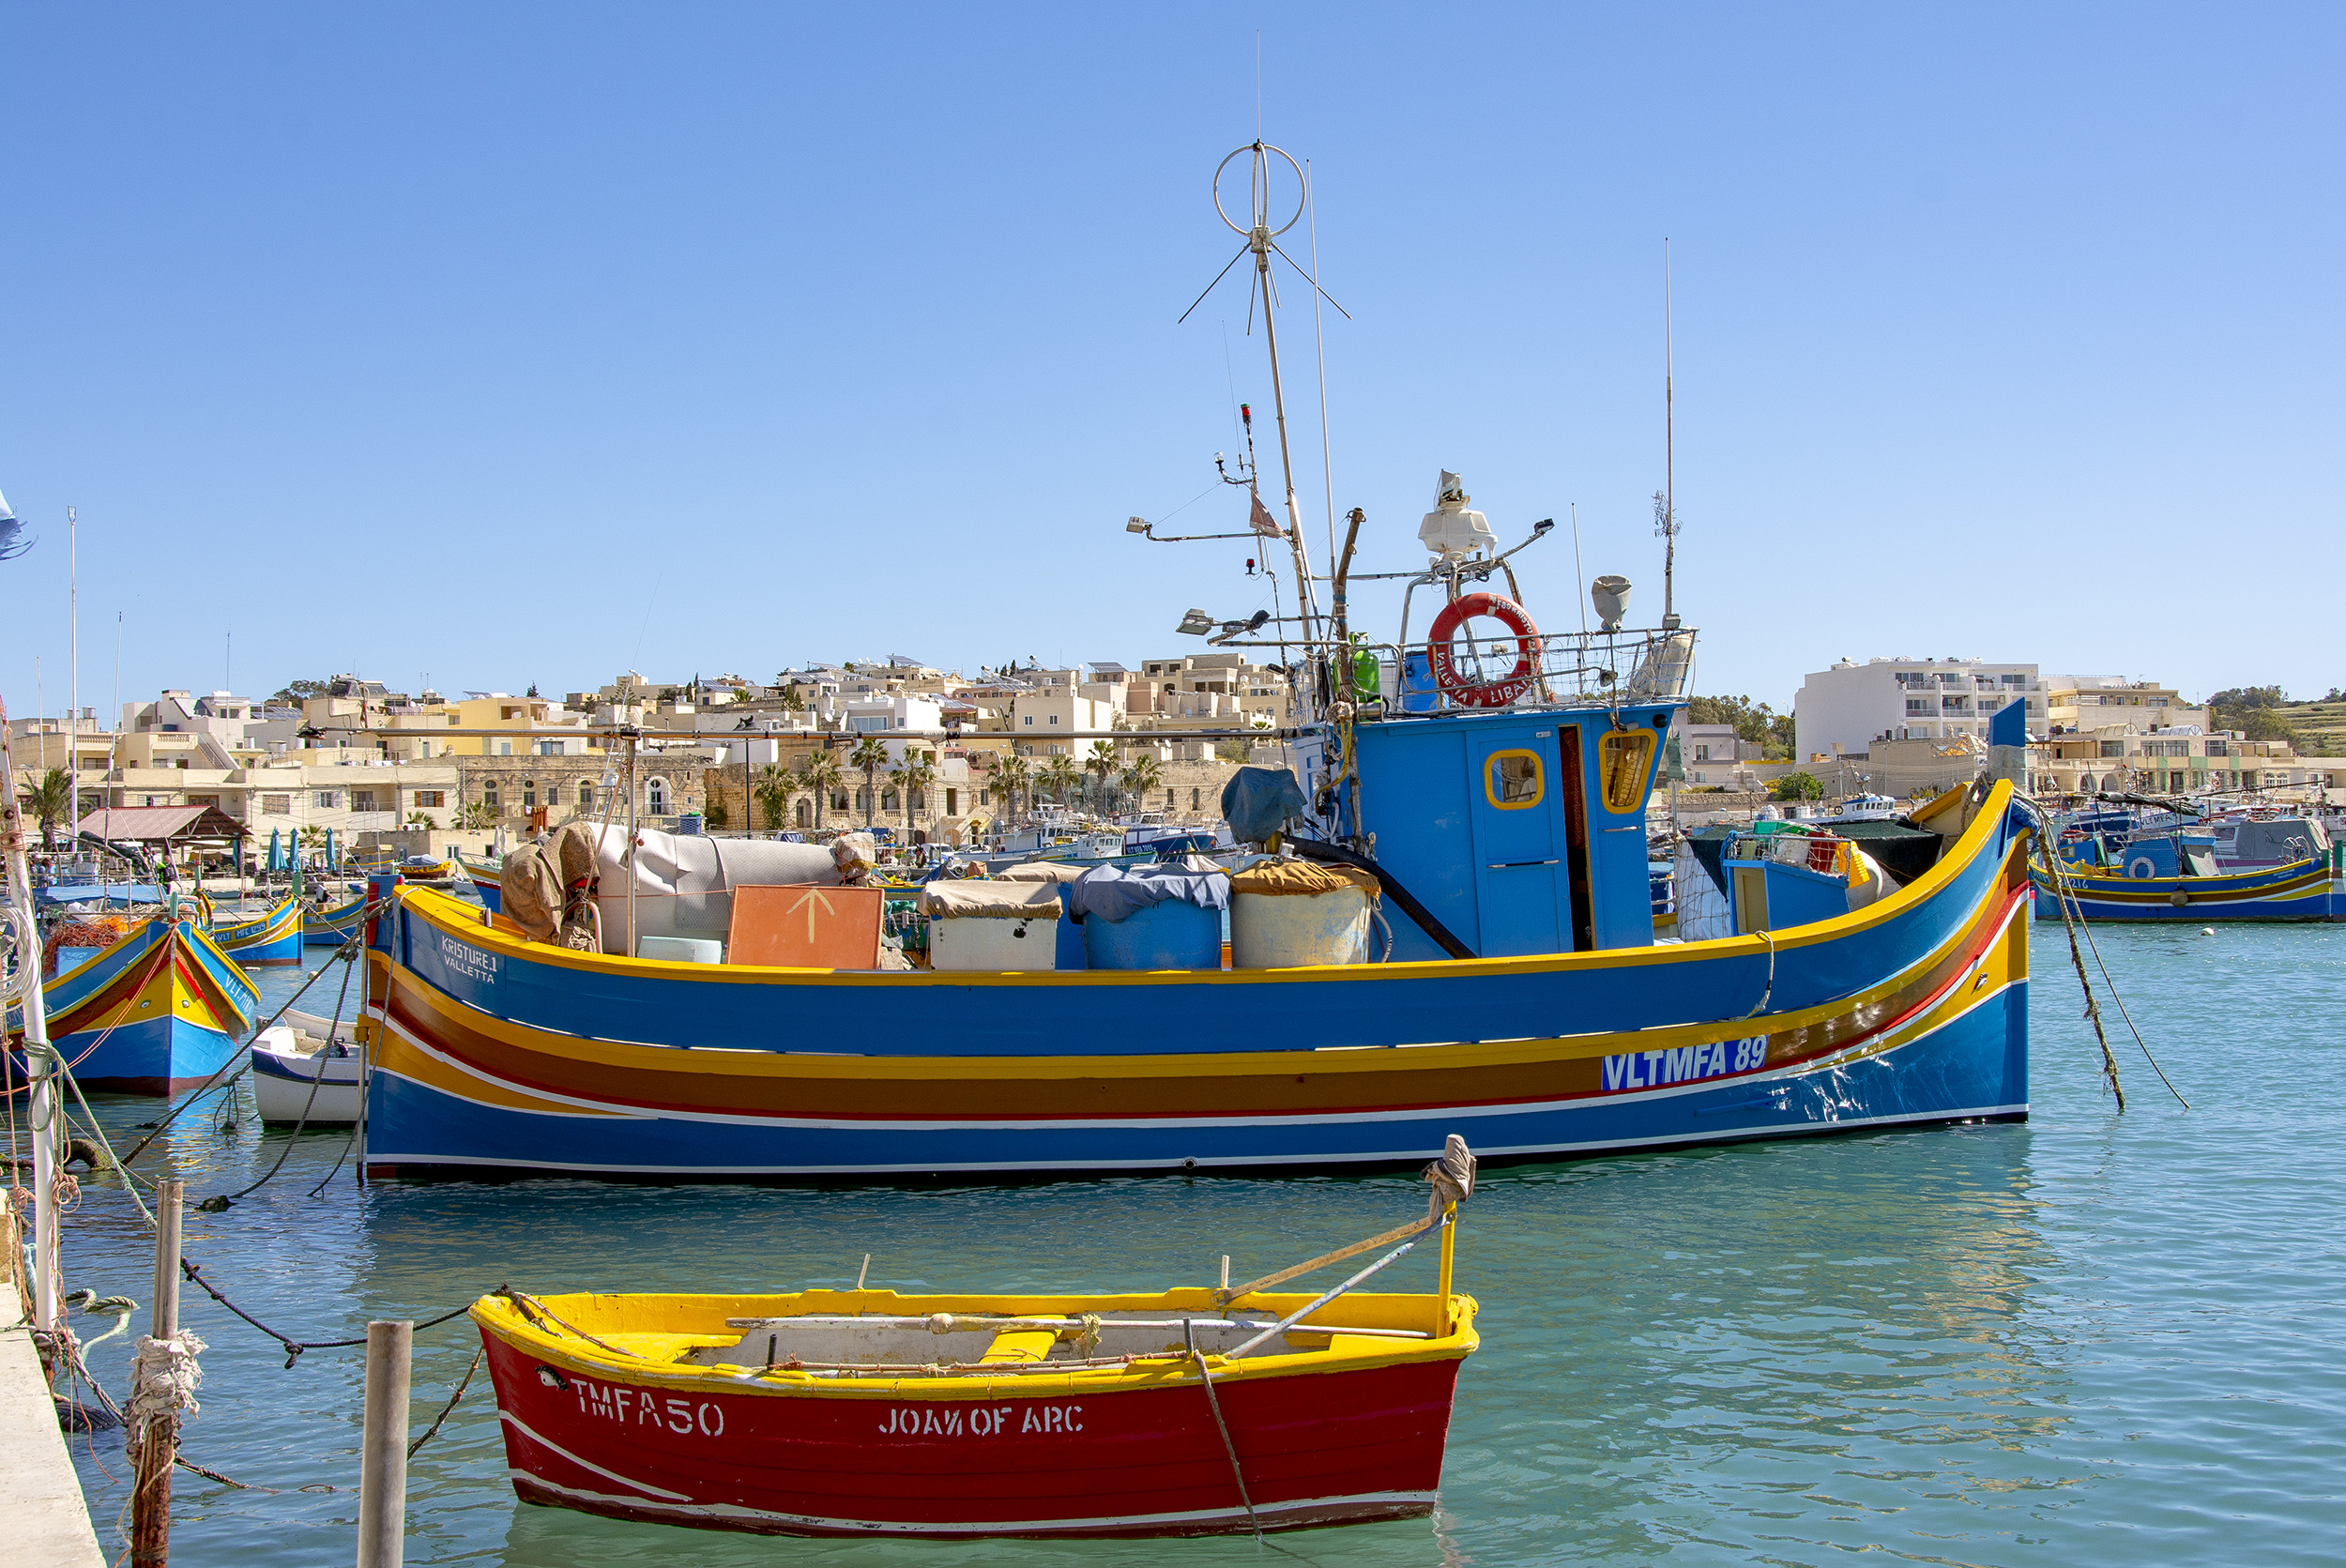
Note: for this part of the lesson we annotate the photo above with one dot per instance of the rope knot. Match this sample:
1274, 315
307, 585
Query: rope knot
164, 1376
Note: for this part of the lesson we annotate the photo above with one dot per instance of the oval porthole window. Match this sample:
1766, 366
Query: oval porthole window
1513, 781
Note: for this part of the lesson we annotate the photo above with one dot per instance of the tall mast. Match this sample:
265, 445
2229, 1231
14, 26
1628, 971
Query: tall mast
1669, 452
1261, 240
74, 654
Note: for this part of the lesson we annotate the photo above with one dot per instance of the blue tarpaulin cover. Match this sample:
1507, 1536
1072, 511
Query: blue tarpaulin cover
1259, 801
1113, 892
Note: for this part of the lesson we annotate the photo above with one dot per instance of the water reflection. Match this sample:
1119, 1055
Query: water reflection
2092, 1338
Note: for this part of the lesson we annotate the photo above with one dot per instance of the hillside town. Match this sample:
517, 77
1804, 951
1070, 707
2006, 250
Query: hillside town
936, 754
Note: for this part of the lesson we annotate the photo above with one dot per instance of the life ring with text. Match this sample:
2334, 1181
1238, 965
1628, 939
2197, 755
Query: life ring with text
1487, 693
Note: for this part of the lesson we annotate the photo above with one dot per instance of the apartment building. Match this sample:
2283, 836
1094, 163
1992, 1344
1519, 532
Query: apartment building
1848, 706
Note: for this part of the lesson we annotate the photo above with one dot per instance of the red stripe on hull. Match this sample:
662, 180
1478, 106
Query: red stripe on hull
1316, 1449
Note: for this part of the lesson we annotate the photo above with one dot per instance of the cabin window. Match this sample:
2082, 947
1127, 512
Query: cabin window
1513, 781
1623, 759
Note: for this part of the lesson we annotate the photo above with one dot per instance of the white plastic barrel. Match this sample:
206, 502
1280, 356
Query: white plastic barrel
1290, 930
992, 942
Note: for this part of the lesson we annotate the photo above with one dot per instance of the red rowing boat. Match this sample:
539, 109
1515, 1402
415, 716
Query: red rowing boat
1188, 1411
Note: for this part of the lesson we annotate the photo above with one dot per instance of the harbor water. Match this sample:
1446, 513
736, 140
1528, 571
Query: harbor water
2094, 1338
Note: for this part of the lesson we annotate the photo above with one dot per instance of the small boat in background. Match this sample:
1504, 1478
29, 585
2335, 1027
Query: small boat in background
307, 1069
273, 937
1187, 1412
487, 874
141, 1005
330, 925
2308, 890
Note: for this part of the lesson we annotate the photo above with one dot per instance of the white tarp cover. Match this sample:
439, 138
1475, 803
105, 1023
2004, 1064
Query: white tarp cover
684, 882
1026, 901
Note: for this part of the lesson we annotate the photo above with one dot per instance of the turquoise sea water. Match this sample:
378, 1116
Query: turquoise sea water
2094, 1338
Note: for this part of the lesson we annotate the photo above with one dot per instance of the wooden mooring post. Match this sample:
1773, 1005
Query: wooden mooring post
383, 1451
158, 1439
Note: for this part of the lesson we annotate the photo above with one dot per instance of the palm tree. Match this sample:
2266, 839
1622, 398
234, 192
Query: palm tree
871, 754
1059, 776
52, 800
913, 777
1141, 775
775, 783
820, 773
1100, 764
1012, 776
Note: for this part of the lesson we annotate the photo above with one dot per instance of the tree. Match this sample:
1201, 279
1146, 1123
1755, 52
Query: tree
1100, 764
52, 802
1797, 786
820, 774
775, 785
2255, 711
421, 819
913, 777
1141, 775
1757, 722
295, 692
871, 754
1058, 777
477, 814
1012, 776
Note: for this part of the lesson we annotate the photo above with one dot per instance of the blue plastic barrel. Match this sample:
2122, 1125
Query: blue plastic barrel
1071, 935
1419, 695
1174, 934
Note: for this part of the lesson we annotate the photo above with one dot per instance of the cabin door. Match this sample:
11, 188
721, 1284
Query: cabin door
1519, 874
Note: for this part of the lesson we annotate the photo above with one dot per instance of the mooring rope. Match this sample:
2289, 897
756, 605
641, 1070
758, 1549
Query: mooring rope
294, 1347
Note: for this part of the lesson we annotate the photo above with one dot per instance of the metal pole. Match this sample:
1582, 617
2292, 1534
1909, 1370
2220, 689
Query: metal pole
39, 1063
630, 846
158, 1443
383, 1452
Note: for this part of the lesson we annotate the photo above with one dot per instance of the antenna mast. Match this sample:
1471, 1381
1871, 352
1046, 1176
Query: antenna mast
1667, 524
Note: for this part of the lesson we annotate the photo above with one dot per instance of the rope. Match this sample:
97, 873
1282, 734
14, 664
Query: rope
431, 1431
1769, 990
163, 1378
1214, 1403
294, 1347
2099, 962
214, 1205
238, 1063
2061, 899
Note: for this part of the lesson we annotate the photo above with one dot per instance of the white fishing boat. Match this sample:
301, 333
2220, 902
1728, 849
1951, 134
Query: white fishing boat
305, 1069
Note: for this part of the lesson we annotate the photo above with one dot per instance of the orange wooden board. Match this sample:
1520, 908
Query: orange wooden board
806, 925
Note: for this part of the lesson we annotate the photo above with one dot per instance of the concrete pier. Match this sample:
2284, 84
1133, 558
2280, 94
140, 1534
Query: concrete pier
41, 1496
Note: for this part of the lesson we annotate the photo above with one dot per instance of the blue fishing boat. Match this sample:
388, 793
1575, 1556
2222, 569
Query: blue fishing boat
1504, 983
270, 938
484, 871
156, 1010
334, 924
2313, 888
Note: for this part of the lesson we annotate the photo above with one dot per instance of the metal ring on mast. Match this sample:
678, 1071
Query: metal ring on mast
1263, 193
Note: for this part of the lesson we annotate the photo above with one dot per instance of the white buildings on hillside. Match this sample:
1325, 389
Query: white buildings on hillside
1848, 706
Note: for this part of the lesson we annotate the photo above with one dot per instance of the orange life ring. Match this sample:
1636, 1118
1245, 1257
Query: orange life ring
1492, 694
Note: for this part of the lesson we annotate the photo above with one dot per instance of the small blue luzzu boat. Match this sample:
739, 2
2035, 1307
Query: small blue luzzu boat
2307, 890
155, 1012
273, 938
332, 925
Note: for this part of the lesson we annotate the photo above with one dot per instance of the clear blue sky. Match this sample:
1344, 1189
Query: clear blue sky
457, 338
